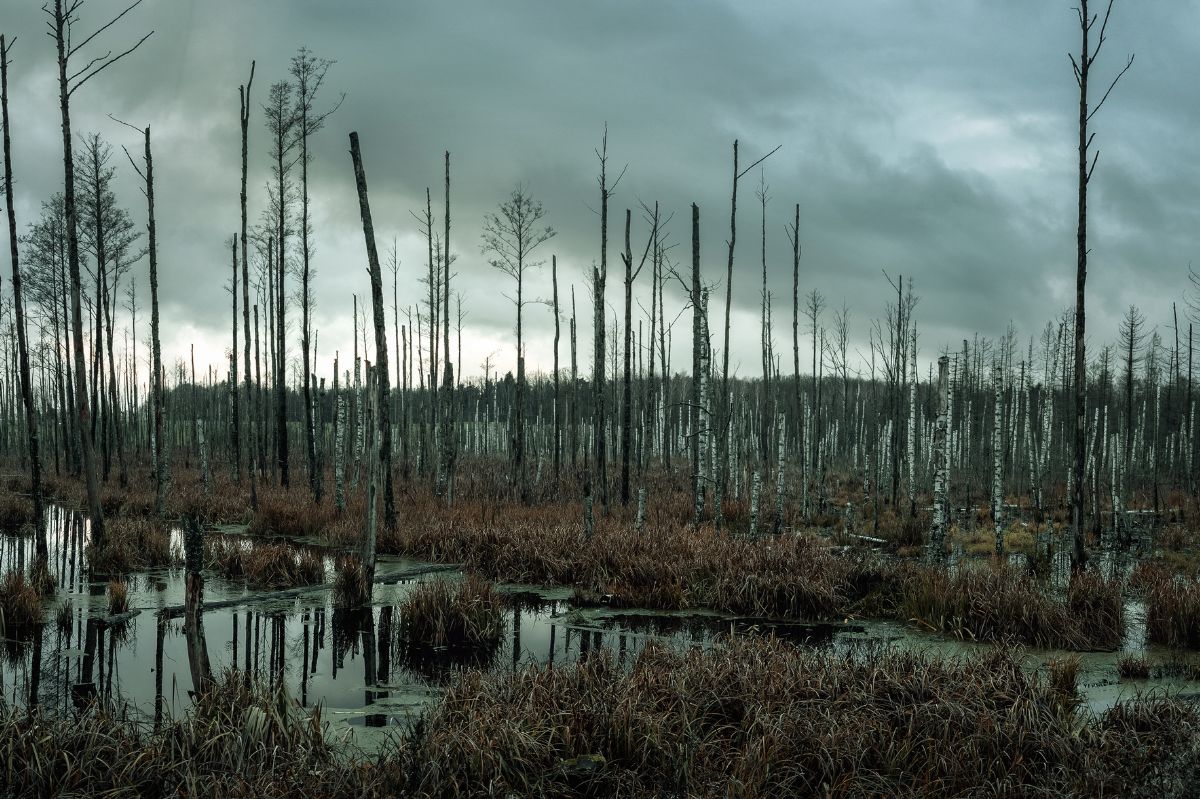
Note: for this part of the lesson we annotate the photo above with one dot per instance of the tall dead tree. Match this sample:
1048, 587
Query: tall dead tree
598, 478
1082, 68
62, 19
724, 404
380, 322
281, 124
449, 444
31, 419
510, 238
557, 405
157, 444
251, 415
308, 72
631, 275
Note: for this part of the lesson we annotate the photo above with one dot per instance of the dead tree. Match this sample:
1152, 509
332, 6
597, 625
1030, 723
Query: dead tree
557, 405
251, 404
510, 238
449, 449
598, 478
380, 322
159, 453
627, 378
1082, 69
941, 467
281, 124
31, 419
726, 409
62, 19
308, 73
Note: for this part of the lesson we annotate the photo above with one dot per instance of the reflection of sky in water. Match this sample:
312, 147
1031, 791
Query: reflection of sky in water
353, 662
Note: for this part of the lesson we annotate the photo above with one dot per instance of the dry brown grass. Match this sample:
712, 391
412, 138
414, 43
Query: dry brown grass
20, 602
16, 511
1133, 667
1172, 609
132, 542
751, 717
760, 718
995, 602
350, 587
240, 740
118, 597
460, 614
264, 565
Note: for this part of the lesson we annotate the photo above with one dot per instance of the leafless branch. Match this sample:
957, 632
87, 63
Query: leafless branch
108, 63
1120, 74
759, 161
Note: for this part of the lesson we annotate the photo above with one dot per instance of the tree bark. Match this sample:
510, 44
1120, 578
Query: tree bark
381, 354
95, 511
31, 417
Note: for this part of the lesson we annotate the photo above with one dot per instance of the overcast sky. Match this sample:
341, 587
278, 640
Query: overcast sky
930, 139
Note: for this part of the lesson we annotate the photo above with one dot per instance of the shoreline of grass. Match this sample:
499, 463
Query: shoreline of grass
749, 717
676, 565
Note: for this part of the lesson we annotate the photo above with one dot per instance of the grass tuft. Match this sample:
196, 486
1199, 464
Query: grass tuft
439, 613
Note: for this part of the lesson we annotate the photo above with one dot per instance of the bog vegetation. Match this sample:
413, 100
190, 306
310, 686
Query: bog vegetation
993, 489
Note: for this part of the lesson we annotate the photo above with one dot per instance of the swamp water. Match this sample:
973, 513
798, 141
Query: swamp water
354, 664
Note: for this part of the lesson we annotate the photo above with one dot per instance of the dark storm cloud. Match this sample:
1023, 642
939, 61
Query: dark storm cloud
929, 139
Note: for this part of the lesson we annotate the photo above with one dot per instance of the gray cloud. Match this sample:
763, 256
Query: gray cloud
927, 139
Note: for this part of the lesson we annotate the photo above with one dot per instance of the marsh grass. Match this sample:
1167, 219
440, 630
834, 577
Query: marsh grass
745, 718
462, 614
241, 739
264, 564
1172, 609
118, 597
132, 542
761, 718
995, 601
20, 602
1133, 667
350, 587
16, 512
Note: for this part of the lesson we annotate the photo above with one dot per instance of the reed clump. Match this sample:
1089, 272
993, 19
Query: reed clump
1172, 609
264, 565
20, 602
350, 587
132, 542
16, 512
118, 597
1133, 667
239, 739
761, 718
995, 602
463, 614
748, 717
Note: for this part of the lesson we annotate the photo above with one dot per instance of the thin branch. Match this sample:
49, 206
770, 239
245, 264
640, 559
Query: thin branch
108, 63
759, 161
100, 30
1120, 74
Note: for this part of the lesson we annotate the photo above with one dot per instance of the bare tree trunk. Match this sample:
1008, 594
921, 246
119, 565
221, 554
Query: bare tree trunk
449, 444
599, 477
244, 116
941, 487
381, 354
998, 456
1082, 69
698, 376
95, 512
31, 419
197, 647
627, 376
557, 405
